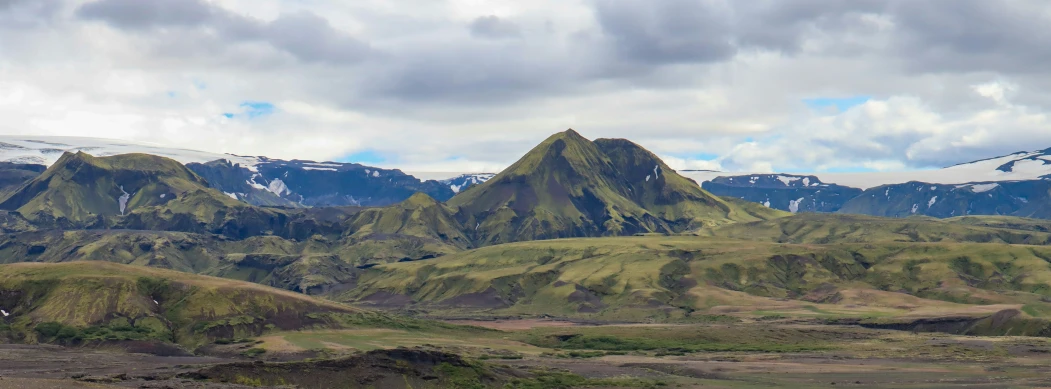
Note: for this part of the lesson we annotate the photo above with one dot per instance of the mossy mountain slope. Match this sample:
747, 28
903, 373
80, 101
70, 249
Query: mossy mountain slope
140, 303
420, 216
635, 278
80, 188
569, 186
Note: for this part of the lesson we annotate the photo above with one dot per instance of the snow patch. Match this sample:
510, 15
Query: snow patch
787, 180
155, 302
793, 205
4, 313
163, 194
251, 182
982, 188
278, 187
656, 172
932, 201
376, 173
648, 177
915, 208
806, 181
231, 195
767, 203
123, 200
331, 169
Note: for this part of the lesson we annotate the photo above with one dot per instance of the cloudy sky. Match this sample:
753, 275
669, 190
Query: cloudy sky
470, 85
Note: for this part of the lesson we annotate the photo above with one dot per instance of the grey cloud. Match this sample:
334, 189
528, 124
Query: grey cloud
137, 14
494, 27
312, 38
304, 35
667, 31
973, 35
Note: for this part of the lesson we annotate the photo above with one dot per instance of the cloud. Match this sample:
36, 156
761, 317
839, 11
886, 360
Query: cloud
898, 132
457, 84
494, 27
139, 15
303, 34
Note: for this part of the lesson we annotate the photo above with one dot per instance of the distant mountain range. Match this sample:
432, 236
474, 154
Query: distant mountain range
1017, 184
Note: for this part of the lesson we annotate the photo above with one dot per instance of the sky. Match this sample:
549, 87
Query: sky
471, 85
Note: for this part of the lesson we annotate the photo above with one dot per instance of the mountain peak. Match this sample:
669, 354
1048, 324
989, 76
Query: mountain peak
419, 200
570, 186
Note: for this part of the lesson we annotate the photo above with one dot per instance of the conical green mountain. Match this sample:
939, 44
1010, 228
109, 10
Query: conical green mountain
80, 187
419, 216
569, 186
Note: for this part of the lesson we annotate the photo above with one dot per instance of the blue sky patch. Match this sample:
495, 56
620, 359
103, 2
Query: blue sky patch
840, 104
364, 157
254, 109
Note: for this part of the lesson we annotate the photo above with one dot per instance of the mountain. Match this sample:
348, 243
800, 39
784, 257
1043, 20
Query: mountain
1012, 198
79, 188
255, 180
461, 182
569, 186
98, 301
13, 175
1018, 184
307, 183
146, 192
1020, 166
787, 192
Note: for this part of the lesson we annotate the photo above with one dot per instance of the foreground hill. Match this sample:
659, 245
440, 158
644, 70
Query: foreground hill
84, 301
569, 186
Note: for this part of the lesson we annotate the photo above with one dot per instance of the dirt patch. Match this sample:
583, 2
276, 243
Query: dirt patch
386, 299
490, 298
400, 368
514, 325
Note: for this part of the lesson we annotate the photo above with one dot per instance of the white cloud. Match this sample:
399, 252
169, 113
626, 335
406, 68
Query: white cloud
471, 85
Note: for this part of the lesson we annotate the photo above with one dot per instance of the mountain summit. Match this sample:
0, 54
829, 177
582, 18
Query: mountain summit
79, 187
569, 186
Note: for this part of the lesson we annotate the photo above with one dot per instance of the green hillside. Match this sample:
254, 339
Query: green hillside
819, 228
84, 301
675, 277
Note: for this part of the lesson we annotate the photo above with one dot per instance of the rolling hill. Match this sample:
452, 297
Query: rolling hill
674, 278
100, 301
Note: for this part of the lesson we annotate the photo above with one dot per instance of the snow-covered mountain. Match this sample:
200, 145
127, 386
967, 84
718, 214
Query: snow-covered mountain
1021, 166
462, 182
256, 180
1017, 184
45, 150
